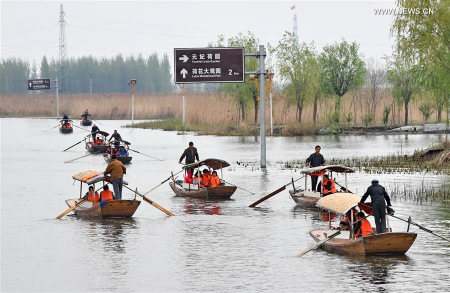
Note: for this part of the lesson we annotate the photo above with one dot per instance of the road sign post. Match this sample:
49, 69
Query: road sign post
39, 84
199, 65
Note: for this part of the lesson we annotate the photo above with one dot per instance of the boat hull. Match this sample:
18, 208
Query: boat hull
65, 130
391, 243
220, 192
87, 123
303, 201
124, 160
96, 148
112, 209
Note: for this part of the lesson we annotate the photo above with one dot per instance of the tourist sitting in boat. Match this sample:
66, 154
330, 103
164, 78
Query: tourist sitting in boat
342, 225
214, 180
92, 196
363, 227
198, 180
206, 177
328, 186
122, 152
106, 194
348, 218
188, 178
98, 141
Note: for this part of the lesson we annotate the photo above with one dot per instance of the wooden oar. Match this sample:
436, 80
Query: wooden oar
83, 156
81, 128
145, 155
239, 187
51, 128
72, 208
272, 194
151, 202
162, 183
74, 145
97, 121
328, 238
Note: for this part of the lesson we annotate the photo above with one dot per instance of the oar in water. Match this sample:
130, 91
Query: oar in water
81, 128
82, 157
74, 145
320, 243
239, 187
97, 121
51, 128
273, 193
162, 182
151, 202
145, 155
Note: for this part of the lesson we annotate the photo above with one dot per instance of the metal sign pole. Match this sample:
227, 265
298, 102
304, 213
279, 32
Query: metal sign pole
262, 89
57, 98
271, 114
184, 109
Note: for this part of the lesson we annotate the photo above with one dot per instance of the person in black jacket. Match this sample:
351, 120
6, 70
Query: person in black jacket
378, 196
190, 153
94, 129
315, 160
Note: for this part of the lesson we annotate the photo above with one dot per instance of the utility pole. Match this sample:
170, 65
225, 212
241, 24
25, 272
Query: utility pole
262, 90
57, 98
62, 49
132, 84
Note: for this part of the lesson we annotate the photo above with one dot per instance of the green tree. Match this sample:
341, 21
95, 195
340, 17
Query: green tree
299, 69
426, 109
341, 70
404, 78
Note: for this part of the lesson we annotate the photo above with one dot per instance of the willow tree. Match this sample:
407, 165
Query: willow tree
299, 69
404, 78
341, 70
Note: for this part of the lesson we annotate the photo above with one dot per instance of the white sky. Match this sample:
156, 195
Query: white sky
105, 28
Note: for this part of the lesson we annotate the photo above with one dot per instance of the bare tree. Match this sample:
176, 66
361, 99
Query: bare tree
375, 81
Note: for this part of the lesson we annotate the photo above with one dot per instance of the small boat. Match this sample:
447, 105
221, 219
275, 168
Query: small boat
224, 191
66, 127
110, 209
388, 243
99, 146
86, 119
125, 159
307, 198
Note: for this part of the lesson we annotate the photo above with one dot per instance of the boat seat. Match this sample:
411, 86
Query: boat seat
344, 234
189, 186
311, 193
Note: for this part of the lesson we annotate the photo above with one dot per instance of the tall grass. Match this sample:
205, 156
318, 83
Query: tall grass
425, 193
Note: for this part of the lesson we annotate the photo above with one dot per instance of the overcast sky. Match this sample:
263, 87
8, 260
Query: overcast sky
105, 28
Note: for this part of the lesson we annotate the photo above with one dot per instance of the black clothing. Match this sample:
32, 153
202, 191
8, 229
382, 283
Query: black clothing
379, 212
377, 193
327, 186
356, 228
315, 160
116, 136
190, 155
94, 129
66, 119
314, 182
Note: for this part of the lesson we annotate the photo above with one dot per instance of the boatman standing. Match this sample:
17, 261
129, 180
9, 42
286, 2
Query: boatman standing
117, 170
315, 160
117, 138
94, 129
190, 153
378, 196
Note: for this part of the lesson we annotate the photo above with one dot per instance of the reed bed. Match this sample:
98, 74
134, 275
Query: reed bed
425, 193
201, 109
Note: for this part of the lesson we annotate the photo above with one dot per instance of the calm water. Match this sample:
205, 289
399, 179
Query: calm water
208, 245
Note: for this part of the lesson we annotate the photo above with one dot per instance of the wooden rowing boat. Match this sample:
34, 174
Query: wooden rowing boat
389, 243
112, 208
86, 122
307, 198
66, 127
93, 147
111, 149
224, 191
124, 160
219, 192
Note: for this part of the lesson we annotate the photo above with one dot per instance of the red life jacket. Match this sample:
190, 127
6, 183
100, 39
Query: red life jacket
95, 200
206, 179
215, 181
366, 228
106, 195
333, 187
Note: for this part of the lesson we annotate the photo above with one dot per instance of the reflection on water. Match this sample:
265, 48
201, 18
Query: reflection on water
209, 245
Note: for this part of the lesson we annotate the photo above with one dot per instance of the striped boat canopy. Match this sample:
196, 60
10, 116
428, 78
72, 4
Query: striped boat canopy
332, 168
339, 203
211, 163
85, 175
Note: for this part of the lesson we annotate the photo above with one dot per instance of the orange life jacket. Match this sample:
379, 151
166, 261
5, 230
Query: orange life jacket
215, 181
199, 179
318, 173
366, 228
98, 141
333, 187
206, 179
95, 200
106, 195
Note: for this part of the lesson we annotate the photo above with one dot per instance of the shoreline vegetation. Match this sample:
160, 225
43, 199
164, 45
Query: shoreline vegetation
213, 113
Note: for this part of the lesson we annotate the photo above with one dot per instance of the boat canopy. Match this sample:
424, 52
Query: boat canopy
332, 168
211, 163
92, 176
68, 120
122, 141
99, 132
339, 203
